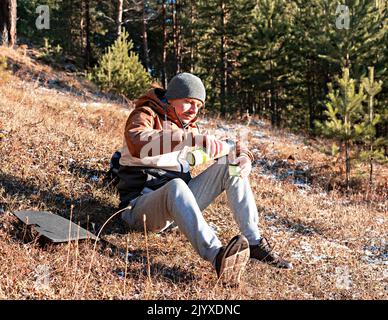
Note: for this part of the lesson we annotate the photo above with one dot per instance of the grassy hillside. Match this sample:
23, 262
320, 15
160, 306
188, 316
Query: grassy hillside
57, 134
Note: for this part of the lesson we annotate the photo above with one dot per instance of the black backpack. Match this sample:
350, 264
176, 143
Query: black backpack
112, 177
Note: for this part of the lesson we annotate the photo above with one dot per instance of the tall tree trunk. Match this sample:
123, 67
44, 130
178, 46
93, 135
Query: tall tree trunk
314, 93
164, 54
347, 150
371, 115
4, 14
8, 14
87, 33
178, 38
251, 103
260, 105
272, 107
145, 37
119, 18
224, 61
70, 38
277, 108
310, 96
347, 160
371, 166
82, 29
12, 23
174, 35
192, 36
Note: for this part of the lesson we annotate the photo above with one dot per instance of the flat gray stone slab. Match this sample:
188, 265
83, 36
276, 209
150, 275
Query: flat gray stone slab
53, 227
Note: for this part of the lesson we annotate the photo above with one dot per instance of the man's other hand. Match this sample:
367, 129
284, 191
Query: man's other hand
245, 165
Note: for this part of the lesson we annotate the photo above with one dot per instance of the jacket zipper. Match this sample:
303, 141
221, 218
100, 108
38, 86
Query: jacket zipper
184, 129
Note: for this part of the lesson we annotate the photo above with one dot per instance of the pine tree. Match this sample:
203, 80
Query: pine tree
220, 30
210, 58
355, 46
120, 71
321, 46
374, 154
308, 73
344, 111
266, 62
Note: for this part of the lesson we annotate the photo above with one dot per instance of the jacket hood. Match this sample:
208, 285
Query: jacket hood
152, 99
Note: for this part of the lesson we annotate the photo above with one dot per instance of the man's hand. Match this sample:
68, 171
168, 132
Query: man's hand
245, 165
213, 147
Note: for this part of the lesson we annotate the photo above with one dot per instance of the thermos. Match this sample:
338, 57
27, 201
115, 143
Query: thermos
198, 156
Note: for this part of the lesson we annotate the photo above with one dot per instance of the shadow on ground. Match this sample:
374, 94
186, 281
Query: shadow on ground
89, 212
138, 267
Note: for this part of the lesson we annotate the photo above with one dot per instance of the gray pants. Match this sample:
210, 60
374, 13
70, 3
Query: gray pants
183, 203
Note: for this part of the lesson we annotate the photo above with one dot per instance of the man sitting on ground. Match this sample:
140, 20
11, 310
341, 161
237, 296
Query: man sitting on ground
154, 181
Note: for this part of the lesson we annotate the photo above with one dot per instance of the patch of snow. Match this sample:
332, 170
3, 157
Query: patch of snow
223, 128
274, 229
318, 257
297, 256
327, 203
302, 191
343, 278
376, 253
128, 258
203, 121
258, 123
269, 176
271, 217
335, 245
301, 184
94, 179
258, 134
306, 247
376, 261
93, 105
240, 126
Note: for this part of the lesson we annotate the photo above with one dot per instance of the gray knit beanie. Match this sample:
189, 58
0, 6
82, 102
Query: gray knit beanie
186, 85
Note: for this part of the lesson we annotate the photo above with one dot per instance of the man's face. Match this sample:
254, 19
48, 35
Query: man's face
186, 108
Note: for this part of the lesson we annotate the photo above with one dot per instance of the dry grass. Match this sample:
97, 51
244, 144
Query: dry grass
56, 143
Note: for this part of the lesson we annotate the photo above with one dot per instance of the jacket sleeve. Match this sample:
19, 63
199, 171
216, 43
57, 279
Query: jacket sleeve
247, 153
243, 151
143, 140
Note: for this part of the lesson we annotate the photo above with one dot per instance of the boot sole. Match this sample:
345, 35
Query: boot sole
235, 259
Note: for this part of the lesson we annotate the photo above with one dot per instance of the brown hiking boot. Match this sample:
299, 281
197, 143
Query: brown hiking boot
231, 260
263, 252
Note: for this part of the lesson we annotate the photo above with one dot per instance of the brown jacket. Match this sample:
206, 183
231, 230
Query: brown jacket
154, 134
